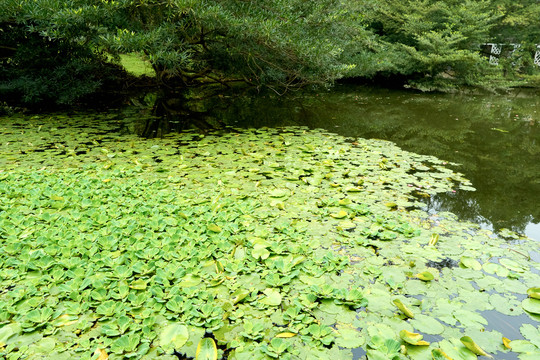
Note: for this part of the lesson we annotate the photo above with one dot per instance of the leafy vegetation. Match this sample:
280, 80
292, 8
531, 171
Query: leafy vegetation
270, 243
58, 51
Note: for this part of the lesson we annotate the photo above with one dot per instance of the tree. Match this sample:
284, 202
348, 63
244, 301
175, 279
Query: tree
273, 43
431, 44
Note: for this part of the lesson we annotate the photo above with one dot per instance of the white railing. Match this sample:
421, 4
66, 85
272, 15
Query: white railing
496, 49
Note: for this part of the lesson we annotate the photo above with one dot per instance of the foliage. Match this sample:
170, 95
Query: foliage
39, 69
433, 45
280, 43
130, 248
57, 51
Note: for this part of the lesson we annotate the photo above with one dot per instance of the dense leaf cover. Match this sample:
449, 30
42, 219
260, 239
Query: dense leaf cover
280, 243
50, 46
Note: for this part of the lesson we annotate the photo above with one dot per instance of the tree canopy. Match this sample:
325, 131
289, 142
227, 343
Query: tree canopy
63, 50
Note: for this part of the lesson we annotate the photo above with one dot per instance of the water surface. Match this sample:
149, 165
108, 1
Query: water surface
495, 139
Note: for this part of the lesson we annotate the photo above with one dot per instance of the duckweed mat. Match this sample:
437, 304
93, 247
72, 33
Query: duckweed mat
282, 243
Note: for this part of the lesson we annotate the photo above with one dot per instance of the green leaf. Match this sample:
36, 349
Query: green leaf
471, 263
349, 338
340, 215
214, 228
272, 298
425, 276
173, 336
438, 354
206, 350
471, 345
534, 292
531, 305
404, 309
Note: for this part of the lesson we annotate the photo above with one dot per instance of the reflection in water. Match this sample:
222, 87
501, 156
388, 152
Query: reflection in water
494, 138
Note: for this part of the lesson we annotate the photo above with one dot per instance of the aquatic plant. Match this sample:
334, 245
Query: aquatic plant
260, 244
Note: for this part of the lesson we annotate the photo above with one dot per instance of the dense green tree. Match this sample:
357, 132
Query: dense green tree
58, 50
268, 42
432, 44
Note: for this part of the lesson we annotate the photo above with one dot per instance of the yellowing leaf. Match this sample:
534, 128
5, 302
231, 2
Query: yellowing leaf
425, 276
438, 354
138, 285
65, 320
404, 309
434, 239
206, 350
101, 353
286, 335
412, 338
214, 228
506, 343
339, 215
534, 292
471, 345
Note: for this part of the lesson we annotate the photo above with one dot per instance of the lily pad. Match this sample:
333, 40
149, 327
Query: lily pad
534, 292
412, 338
471, 345
531, 305
173, 336
206, 350
425, 276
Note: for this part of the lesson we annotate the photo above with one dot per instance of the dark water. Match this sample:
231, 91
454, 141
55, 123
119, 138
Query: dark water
494, 138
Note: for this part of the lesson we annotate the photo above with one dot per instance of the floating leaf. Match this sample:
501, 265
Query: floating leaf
349, 338
173, 336
471, 345
101, 354
214, 228
206, 350
273, 297
138, 284
412, 338
260, 251
531, 305
340, 215
425, 276
438, 354
404, 309
534, 292
278, 193
471, 263
506, 343
434, 239
286, 335
190, 280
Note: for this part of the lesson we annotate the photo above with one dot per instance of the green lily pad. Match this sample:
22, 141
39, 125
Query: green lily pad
425, 276
534, 292
272, 298
173, 336
471, 345
404, 309
531, 305
471, 263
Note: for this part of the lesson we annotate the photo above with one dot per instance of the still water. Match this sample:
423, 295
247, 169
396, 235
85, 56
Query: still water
493, 139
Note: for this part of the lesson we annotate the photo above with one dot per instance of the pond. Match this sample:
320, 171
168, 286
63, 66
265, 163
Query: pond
272, 237
495, 139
